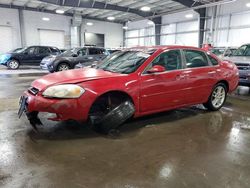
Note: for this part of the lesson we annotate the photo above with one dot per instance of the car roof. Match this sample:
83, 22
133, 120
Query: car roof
42, 46
93, 47
224, 47
165, 47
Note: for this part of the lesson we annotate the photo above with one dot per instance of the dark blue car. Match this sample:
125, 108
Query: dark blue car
32, 55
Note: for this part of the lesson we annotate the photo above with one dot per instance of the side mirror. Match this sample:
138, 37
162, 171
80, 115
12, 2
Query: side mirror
156, 69
93, 65
74, 55
25, 53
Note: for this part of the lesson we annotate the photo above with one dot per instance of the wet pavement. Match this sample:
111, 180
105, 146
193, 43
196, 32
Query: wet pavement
190, 147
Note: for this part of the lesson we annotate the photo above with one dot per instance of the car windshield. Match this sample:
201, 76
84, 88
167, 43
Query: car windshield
17, 50
241, 50
71, 51
20, 50
233, 51
217, 51
125, 62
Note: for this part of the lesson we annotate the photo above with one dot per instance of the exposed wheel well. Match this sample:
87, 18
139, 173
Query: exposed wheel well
224, 82
14, 59
119, 97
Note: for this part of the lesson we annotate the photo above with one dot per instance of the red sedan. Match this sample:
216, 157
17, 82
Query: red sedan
134, 82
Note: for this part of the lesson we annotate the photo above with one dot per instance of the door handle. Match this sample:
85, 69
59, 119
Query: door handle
211, 73
181, 76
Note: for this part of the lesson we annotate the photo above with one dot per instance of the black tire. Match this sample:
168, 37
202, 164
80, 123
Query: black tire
13, 64
114, 118
210, 104
62, 67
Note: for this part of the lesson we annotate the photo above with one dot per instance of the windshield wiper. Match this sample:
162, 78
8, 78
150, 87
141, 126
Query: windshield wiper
108, 70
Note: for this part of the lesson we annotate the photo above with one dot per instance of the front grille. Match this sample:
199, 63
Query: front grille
243, 77
243, 66
33, 90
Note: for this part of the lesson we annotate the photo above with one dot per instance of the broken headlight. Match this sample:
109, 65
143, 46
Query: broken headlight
64, 91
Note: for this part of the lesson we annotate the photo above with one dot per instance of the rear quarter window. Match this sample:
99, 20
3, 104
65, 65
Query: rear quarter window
54, 50
43, 50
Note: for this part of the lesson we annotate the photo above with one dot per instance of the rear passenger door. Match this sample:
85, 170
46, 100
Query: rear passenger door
201, 76
95, 54
41, 53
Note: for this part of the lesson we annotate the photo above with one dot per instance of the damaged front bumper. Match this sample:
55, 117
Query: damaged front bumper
32, 116
64, 109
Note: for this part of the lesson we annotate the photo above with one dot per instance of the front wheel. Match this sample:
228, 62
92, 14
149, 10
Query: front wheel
13, 64
217, 97
62, 67
108, 114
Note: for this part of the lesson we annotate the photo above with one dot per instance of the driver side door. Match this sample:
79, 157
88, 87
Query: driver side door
27, 57
165, 90
82, 56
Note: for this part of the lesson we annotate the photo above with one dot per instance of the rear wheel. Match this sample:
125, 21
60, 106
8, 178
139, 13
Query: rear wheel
62, 67
217, 97
109, 112
13, 64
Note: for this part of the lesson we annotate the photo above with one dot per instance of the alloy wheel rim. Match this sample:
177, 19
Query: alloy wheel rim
13, 64
218, 96
63, 67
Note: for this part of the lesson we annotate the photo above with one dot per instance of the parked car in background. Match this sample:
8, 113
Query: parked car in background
95, 63
133, 82
69, 59
62, 50
241, 58
113, 50
32, 55
87, 64
222, 52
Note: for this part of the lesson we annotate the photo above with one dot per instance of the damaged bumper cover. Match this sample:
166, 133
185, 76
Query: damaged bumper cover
32, 116
65, 109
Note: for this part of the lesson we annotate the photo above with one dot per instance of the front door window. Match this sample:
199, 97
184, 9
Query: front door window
170, 60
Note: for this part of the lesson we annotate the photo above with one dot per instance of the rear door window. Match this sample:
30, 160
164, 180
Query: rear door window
195, 58
43, 50
95, 51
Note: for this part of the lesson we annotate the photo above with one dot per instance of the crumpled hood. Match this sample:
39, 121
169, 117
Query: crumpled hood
72, 77
238, 59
